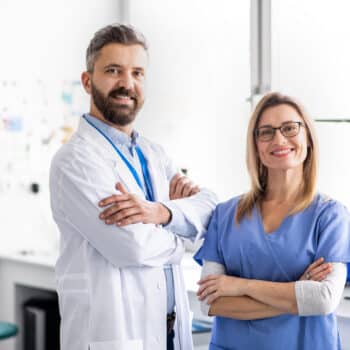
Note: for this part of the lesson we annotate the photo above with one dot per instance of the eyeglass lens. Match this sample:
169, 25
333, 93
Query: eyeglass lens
266, 133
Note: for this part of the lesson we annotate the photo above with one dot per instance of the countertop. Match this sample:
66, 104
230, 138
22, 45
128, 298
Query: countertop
190, 268
48, 259
42, 258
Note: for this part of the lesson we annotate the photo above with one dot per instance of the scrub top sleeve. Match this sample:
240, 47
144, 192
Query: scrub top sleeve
334, 238
211, 249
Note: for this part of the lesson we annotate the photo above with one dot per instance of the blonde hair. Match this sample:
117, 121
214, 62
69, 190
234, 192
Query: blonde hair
258, 172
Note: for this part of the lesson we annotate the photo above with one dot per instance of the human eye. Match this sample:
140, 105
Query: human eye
139, 74
290, 128
265, 132
112, 70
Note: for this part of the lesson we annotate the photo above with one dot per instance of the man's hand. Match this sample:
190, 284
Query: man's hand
126, 208
181, 186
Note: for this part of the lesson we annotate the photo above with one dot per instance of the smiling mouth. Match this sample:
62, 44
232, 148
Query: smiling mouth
123, 99
282, 152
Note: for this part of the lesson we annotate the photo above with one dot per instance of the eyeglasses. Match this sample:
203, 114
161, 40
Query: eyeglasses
288, 129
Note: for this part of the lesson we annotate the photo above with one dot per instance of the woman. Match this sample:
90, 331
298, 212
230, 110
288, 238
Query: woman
258, 277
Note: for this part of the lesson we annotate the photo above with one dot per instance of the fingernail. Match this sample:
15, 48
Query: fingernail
101, 203
108, 221
102, 216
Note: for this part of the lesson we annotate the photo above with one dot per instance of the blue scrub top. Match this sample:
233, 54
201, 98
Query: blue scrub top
320, 230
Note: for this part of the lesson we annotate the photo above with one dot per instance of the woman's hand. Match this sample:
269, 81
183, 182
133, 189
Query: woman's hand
317, 271
127, 208
215, 286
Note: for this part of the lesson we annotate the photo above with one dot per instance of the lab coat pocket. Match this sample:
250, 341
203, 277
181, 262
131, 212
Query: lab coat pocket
134, 344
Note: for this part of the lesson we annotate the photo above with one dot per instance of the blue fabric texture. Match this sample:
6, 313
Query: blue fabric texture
247, 251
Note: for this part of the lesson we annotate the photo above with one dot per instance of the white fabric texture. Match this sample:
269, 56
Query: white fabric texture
210, 268
313, 298
106, 274
321, 298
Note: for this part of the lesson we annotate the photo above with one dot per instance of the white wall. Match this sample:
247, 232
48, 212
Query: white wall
311, 54
43, 44
198, 83
48, 39
334, 172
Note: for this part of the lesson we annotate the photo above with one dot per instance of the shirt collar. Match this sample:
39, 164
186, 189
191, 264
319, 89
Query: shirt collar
116, 136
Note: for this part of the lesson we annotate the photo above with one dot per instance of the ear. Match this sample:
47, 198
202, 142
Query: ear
86, 81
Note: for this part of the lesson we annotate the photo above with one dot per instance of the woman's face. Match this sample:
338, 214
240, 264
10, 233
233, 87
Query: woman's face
282, 152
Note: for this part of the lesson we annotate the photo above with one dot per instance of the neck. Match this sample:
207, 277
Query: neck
127, 129
284, 185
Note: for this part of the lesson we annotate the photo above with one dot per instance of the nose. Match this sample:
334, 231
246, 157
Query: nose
278, 136
126, 81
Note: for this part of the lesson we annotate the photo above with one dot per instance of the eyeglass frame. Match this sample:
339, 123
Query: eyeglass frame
277, 128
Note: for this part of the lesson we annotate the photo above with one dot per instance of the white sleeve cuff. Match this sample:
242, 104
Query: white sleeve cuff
178, 223
210, 268
321, 298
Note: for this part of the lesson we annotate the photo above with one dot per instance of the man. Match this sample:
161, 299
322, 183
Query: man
118, 275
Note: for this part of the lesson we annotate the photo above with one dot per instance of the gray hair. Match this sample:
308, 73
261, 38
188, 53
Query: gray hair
115, 33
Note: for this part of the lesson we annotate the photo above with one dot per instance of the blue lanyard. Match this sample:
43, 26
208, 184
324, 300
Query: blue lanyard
146, 175
143, 161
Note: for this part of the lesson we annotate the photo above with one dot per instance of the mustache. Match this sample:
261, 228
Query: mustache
124, 92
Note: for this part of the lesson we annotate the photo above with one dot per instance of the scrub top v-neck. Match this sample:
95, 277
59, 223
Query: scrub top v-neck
247, 251
277, 231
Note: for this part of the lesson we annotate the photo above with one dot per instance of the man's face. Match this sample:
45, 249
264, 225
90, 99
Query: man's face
117, 82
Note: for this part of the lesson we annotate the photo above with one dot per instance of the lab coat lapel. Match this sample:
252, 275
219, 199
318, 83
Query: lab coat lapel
89, 133
126, 177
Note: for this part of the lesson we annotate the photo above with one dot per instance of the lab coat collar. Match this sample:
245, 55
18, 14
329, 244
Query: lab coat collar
118, 137
105, 150
91, 135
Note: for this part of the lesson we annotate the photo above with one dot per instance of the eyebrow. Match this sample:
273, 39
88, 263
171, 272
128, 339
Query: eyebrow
114, 65
286, 122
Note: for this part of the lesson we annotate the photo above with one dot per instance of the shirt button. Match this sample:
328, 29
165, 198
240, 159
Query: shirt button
159, 286
158, 339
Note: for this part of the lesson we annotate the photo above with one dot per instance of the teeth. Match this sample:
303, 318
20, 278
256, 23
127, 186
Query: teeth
281, 152
123, 97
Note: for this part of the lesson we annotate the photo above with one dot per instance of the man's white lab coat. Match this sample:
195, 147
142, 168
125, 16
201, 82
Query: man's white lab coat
110, 280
